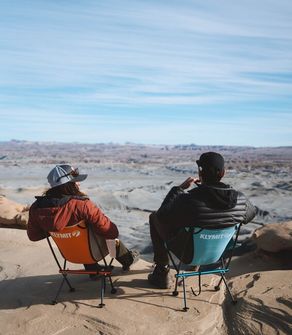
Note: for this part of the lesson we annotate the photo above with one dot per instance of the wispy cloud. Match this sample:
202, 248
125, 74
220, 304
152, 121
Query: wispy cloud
124, 58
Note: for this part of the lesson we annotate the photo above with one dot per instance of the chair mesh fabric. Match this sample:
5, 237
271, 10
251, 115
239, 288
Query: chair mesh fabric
77, 244
209, 244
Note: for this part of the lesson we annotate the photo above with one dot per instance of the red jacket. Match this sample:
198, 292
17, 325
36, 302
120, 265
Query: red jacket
50, 214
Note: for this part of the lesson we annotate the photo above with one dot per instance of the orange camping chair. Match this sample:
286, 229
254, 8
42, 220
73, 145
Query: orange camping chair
80, 245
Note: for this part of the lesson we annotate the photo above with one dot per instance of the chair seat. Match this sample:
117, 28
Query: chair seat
78, 244
210, 247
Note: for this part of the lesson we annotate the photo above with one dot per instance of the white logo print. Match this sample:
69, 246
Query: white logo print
75, 233
214, 237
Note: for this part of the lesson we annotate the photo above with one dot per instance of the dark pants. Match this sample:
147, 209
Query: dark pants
180, 244
122, 256
158, 242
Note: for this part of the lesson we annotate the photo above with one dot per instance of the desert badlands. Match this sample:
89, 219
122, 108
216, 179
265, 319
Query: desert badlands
128, 182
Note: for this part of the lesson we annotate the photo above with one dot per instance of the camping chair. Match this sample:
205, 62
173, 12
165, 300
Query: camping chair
80, 245
212, 249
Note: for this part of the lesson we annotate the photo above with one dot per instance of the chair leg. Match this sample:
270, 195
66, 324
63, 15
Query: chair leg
217, 287
71, 289
177, 269
228, 289
54, 302
102, 289
175, 292
185, 298
113, 289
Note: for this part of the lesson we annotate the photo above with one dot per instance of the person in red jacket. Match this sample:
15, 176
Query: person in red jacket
65, 205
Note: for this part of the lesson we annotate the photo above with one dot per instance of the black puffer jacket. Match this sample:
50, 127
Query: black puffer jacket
216, 205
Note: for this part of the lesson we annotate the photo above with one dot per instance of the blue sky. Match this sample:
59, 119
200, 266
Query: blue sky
147, 71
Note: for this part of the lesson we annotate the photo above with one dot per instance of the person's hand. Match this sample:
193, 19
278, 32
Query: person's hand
188, 182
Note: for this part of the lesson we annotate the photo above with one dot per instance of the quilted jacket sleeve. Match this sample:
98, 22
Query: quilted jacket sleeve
251, 211
168, 203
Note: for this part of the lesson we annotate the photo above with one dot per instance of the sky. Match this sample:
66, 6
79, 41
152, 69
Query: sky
206, 72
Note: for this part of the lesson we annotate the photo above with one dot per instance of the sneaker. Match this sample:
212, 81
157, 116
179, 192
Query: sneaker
129, 259
160, 277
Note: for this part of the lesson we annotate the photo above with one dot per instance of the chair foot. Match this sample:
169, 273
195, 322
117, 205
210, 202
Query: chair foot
54, 302
217, 288
175, 293
113, 290
185, 309
100, 305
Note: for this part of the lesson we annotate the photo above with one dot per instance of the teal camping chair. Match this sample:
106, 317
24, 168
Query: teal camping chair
212, 249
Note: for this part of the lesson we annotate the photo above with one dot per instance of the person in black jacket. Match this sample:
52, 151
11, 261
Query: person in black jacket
210, 204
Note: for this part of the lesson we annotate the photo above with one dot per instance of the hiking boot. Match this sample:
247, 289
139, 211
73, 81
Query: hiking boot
160, 277
128, 259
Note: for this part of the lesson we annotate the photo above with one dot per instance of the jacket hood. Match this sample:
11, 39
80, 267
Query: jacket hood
53, 214
218, 196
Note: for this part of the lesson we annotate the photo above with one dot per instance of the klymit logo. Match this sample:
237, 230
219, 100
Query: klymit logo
74, 233
214, 237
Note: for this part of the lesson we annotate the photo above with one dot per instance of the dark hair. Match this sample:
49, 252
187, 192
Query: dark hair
69, 188
211, 175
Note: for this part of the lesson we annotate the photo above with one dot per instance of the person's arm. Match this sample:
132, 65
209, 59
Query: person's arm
34, 231
173, 195
101, 224
170, 197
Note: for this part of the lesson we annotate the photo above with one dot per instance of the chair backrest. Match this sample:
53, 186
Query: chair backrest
209, 244
79, 244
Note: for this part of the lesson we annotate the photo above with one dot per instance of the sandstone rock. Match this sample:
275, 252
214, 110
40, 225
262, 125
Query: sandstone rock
274, 237
13, 214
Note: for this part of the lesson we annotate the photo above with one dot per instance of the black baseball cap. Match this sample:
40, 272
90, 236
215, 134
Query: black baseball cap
211, 159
